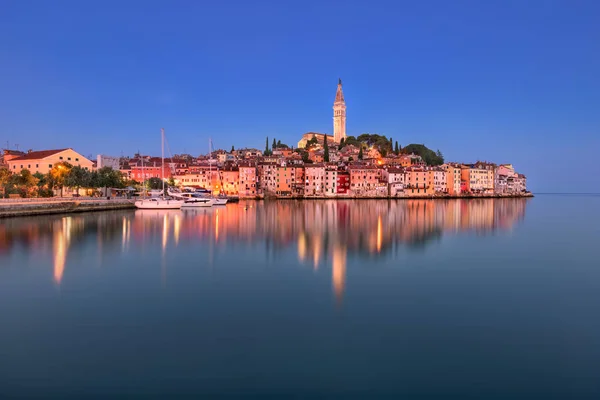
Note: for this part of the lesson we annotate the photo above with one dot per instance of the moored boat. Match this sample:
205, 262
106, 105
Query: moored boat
159, 203
196, 202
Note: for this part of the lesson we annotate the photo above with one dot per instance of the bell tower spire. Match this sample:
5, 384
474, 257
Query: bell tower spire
339, 114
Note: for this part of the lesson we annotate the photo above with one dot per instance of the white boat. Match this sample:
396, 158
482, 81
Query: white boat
159, 203
163, 203
220, 201
196, 202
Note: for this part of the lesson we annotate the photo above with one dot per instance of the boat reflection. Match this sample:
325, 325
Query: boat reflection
321, 233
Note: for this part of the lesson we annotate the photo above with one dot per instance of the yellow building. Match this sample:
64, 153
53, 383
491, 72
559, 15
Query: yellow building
42, 161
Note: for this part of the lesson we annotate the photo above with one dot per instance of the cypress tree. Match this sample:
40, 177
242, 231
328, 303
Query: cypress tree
397, 149
267, 147
360, 153
326, 149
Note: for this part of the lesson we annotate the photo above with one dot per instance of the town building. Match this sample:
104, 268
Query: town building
453, 174
315, 179
248, 184
331, 180
43, 161
103, 161
364, 180
394, 177
419, 181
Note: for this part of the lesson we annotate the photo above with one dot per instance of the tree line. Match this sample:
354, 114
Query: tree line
60, 176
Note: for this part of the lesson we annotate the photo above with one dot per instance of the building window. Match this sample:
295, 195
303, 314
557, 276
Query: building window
60, 157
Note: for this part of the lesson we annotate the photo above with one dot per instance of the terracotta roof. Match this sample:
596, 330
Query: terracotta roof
37, 155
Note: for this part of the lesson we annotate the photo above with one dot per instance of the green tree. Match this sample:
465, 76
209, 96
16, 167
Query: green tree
360, 153
25, 182
154, 184
59, 173
171, 181
325, 149
266, 153
278, 143
429, 156
396, 148
78, 177
5, 175
305, 157
44, 184
109, 178
274, 145
232, 149
341, 146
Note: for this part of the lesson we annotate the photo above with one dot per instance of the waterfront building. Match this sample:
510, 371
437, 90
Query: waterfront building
315, 179
394, 177
229, 180
505, 179
331, 180
298, 179
108, 161
521, 184
248, 184
453, 174
419, 181
267, 175
284, 180
364, 179
343, 183
439, 180
42, 161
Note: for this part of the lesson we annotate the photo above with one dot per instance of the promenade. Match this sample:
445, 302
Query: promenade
60, 205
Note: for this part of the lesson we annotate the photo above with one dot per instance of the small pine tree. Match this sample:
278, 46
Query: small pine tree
325, 149
397, 149
279, 143
360, 153
274, 145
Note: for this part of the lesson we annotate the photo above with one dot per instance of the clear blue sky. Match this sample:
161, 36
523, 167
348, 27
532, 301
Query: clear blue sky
504, 81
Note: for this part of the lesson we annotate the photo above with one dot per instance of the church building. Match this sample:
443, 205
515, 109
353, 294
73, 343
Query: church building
339, 122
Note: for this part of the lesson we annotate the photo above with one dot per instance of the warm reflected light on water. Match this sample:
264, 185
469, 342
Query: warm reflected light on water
301, 247
165, 233
217, 226
338, 272
379, 234
62, 237
316, 251
177, 228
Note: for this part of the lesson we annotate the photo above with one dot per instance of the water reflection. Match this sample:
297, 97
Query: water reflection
322, 234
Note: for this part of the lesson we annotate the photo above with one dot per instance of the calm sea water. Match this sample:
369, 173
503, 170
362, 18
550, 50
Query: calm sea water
465, 298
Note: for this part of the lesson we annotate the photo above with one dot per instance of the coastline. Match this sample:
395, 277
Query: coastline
425, 197
23, 209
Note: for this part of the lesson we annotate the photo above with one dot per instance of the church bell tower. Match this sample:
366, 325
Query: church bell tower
339, 115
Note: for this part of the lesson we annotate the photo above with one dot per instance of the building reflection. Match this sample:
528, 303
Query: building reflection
321, 234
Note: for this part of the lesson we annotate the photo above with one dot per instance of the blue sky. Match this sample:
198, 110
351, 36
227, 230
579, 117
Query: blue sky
504, 81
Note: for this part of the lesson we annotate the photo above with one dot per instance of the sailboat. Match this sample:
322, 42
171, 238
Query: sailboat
162, 202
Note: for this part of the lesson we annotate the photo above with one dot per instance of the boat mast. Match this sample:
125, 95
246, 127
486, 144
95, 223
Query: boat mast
162, 156
143, 177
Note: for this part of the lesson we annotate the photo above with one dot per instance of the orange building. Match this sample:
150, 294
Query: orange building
285, 180
419, 181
